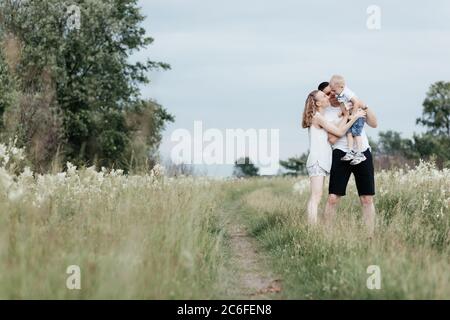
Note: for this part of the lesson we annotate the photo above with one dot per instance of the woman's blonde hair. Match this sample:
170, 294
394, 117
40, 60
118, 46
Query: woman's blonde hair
310, 109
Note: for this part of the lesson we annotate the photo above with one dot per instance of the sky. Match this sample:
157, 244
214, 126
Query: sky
250, 64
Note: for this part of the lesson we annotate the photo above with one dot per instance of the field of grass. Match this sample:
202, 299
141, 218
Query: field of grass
411, 245
140, 236
152, 237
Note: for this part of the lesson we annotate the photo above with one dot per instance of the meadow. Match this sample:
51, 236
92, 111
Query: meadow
133, 236
149, 236
411, 245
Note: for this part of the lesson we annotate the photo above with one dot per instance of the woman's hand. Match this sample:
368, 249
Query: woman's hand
345, 111
359, 114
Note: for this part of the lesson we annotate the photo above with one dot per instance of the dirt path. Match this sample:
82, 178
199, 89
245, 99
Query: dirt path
251, 276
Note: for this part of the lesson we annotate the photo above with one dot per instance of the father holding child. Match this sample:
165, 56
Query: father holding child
351, 153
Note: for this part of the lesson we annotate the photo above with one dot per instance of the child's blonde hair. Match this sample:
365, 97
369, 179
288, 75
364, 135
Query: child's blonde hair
337, 80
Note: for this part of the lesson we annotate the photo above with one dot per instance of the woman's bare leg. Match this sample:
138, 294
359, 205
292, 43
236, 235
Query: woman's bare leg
316, 187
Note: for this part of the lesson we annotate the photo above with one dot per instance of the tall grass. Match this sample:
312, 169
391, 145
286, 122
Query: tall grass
411, 245
148, 236
144, 237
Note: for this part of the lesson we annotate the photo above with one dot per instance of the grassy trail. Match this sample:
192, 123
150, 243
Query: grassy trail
251, 277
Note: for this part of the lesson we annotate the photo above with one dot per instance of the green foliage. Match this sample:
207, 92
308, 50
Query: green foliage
243, 167
145, 120
295, 165
421, 146
86, 73
391, 143
436, 109
435, 143
6, 83
429, 146
375, 148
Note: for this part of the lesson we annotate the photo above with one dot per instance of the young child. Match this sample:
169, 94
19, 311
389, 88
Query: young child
345, 96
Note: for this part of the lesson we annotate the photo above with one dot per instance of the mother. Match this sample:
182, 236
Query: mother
320, 153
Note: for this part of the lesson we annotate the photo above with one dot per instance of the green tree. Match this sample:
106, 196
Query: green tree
436, 118
428, 146
436, 109
373, 145
391, 143
243, 167
295, 165
86, 75
6, 83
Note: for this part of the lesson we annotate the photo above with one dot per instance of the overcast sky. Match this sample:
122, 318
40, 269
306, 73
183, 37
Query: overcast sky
250, 64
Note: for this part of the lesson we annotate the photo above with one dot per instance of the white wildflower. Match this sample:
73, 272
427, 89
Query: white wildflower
15, 194
301, 186
157, 171
71, 169
27, 173
5, 179
116, 172
60, 177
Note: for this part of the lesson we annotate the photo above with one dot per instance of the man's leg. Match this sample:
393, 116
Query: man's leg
365, 183
368, 210
339, 176
330, 208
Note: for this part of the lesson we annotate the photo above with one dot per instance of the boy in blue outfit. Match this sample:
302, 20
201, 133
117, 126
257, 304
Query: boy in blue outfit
345, 96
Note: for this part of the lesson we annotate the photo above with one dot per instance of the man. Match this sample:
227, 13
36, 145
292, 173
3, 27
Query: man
325, 88
341, 170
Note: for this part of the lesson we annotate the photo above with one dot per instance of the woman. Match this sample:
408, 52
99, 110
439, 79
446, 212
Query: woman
318, 164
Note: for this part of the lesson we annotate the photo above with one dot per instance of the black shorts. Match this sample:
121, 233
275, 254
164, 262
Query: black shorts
341, 171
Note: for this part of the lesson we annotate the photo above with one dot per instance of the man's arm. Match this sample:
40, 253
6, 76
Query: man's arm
357, 103
371, 119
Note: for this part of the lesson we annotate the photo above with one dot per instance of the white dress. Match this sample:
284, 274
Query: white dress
320, 153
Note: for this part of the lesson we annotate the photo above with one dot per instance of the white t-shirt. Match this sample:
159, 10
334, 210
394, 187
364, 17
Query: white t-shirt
346, 95
332, 114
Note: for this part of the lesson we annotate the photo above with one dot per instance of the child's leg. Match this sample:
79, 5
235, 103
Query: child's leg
350, 141
359, 143
356, 131
350, 154
359, 157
